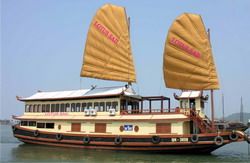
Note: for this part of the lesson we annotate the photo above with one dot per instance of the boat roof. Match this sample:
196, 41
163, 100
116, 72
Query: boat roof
93, 92
190, 94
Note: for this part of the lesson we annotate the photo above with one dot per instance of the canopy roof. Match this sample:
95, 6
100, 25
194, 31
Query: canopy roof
82, 93
190, 94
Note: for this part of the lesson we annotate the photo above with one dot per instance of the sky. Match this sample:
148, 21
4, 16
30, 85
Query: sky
42, 43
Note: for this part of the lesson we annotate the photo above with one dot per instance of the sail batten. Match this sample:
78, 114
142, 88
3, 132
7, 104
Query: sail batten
188, 61
107, 53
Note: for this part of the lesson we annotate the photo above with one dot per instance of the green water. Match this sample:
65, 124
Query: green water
13, 150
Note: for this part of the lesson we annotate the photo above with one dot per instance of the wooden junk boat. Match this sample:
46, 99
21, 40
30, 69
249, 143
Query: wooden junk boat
118, 118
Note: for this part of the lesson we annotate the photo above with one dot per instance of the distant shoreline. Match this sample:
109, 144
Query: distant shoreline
5, 122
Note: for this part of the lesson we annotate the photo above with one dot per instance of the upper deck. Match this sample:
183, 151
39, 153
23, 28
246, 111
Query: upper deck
95, 103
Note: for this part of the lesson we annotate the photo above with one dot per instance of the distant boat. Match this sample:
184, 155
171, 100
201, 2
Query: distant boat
117, 118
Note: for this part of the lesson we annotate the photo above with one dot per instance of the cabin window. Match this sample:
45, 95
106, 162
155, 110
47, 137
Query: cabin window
163, 128
67, 107
43, 108
76, 127
84, 106
62, 108
89, 105
202, 104
40, 125
96, 106
53, 108
32, 123
115, 105
78, 107
192, 103
73, 107
24, 123
108, 106
30, 108
102, 106
47, 107
26, 108
57, 107
35, 108
185, 104
39, 108
50, 125
123, 105
100, 127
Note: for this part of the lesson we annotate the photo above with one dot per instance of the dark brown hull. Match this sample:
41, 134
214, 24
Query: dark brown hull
206, 143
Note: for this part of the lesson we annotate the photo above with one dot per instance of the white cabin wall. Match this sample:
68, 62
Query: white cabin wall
145, 128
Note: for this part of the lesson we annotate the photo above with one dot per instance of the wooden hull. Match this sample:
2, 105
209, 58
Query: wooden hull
182, 143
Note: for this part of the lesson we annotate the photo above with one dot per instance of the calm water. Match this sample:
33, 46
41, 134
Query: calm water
14, 151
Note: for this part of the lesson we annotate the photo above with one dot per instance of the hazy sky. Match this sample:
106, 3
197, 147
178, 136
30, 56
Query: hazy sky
42, 42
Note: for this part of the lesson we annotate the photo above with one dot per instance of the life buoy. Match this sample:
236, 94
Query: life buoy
194, 138
36, 133
233, 136
156, 139
136, 128
218, 140
59, 136
118, 140
14, 128
121, 128
86, 140
247, 138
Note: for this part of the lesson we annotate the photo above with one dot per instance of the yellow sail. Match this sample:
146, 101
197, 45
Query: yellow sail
188, 61
107, 53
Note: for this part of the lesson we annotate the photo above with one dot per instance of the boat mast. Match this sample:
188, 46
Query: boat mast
129, 83
212, 93
212, 108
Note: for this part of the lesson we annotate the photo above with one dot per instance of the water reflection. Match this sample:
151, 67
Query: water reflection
14, 151
27, 152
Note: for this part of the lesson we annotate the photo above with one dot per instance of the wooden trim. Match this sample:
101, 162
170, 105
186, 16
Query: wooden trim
100, 127
190, 148
163, 128
76, 127
128, 144
129, 136
105, 120
115, 148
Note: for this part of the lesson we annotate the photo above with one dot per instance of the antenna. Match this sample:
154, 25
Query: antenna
241, 110
208, 34
223, 116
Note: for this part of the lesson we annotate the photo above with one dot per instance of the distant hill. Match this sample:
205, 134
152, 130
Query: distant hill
236, 117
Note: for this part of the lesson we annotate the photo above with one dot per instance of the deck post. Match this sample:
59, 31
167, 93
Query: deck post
168, 105
141, 105
161, 104
149, 106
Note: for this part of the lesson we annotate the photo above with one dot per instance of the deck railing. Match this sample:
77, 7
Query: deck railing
150, 111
